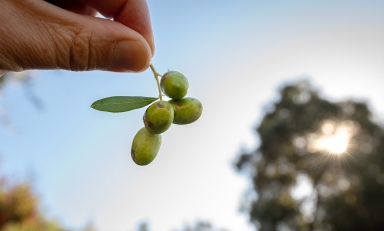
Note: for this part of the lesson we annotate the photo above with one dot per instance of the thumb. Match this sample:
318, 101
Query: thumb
38, 35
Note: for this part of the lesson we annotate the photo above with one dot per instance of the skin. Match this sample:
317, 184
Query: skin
174, 84
158, 117
65, 34
145, 147
186, 110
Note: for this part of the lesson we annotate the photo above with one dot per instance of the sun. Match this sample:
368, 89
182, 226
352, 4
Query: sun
334, 144
334, 140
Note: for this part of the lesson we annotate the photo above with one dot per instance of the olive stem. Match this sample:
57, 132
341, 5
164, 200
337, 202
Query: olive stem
157, 80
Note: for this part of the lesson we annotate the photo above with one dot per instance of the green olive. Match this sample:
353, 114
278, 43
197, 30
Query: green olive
174, 84
145, 147
186, 110
158, 117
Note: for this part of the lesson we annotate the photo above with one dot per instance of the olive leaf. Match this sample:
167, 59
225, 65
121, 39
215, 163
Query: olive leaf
122, 103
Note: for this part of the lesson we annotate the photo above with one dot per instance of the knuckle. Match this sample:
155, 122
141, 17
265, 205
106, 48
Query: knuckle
85, 50
80, 57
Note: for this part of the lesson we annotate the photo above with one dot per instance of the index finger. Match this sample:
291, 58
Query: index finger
131, 13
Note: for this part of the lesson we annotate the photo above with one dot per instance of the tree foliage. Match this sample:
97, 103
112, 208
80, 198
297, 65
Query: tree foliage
19, 210
201, 226
197, 226
319, 165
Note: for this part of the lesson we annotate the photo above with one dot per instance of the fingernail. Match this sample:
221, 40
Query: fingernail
129, 55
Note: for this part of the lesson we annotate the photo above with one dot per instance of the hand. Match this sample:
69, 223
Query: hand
65, 34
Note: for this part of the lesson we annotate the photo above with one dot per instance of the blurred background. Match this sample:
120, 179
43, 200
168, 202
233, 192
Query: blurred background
291, 137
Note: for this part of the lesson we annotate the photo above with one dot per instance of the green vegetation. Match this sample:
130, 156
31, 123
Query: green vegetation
174, 85
122, 103
19, 210
159, 116
197, 226
187, 110
145, 147
319, 165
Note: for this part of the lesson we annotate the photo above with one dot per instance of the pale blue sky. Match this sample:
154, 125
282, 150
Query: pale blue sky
235, 54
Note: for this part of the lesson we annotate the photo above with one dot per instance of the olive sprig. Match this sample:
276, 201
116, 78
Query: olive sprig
159, 116
156, 74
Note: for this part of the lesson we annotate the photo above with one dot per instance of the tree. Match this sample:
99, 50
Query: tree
19, 210
319, 165
197, 226
201, 226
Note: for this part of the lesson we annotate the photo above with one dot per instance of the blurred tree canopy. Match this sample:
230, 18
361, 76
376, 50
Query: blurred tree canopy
319, 165
18, 204
202, 226
197, 226
19, 210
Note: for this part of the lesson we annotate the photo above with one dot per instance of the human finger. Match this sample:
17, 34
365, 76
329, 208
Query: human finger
43, 36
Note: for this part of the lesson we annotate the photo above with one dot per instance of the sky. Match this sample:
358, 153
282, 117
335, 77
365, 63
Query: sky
236, 55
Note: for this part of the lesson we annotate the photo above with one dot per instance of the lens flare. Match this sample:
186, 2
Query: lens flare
337, 143
333, 137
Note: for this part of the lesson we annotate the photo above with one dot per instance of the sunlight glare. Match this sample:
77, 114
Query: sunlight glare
336, 143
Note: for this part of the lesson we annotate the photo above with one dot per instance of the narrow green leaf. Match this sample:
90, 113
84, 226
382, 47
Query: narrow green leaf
122, 103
